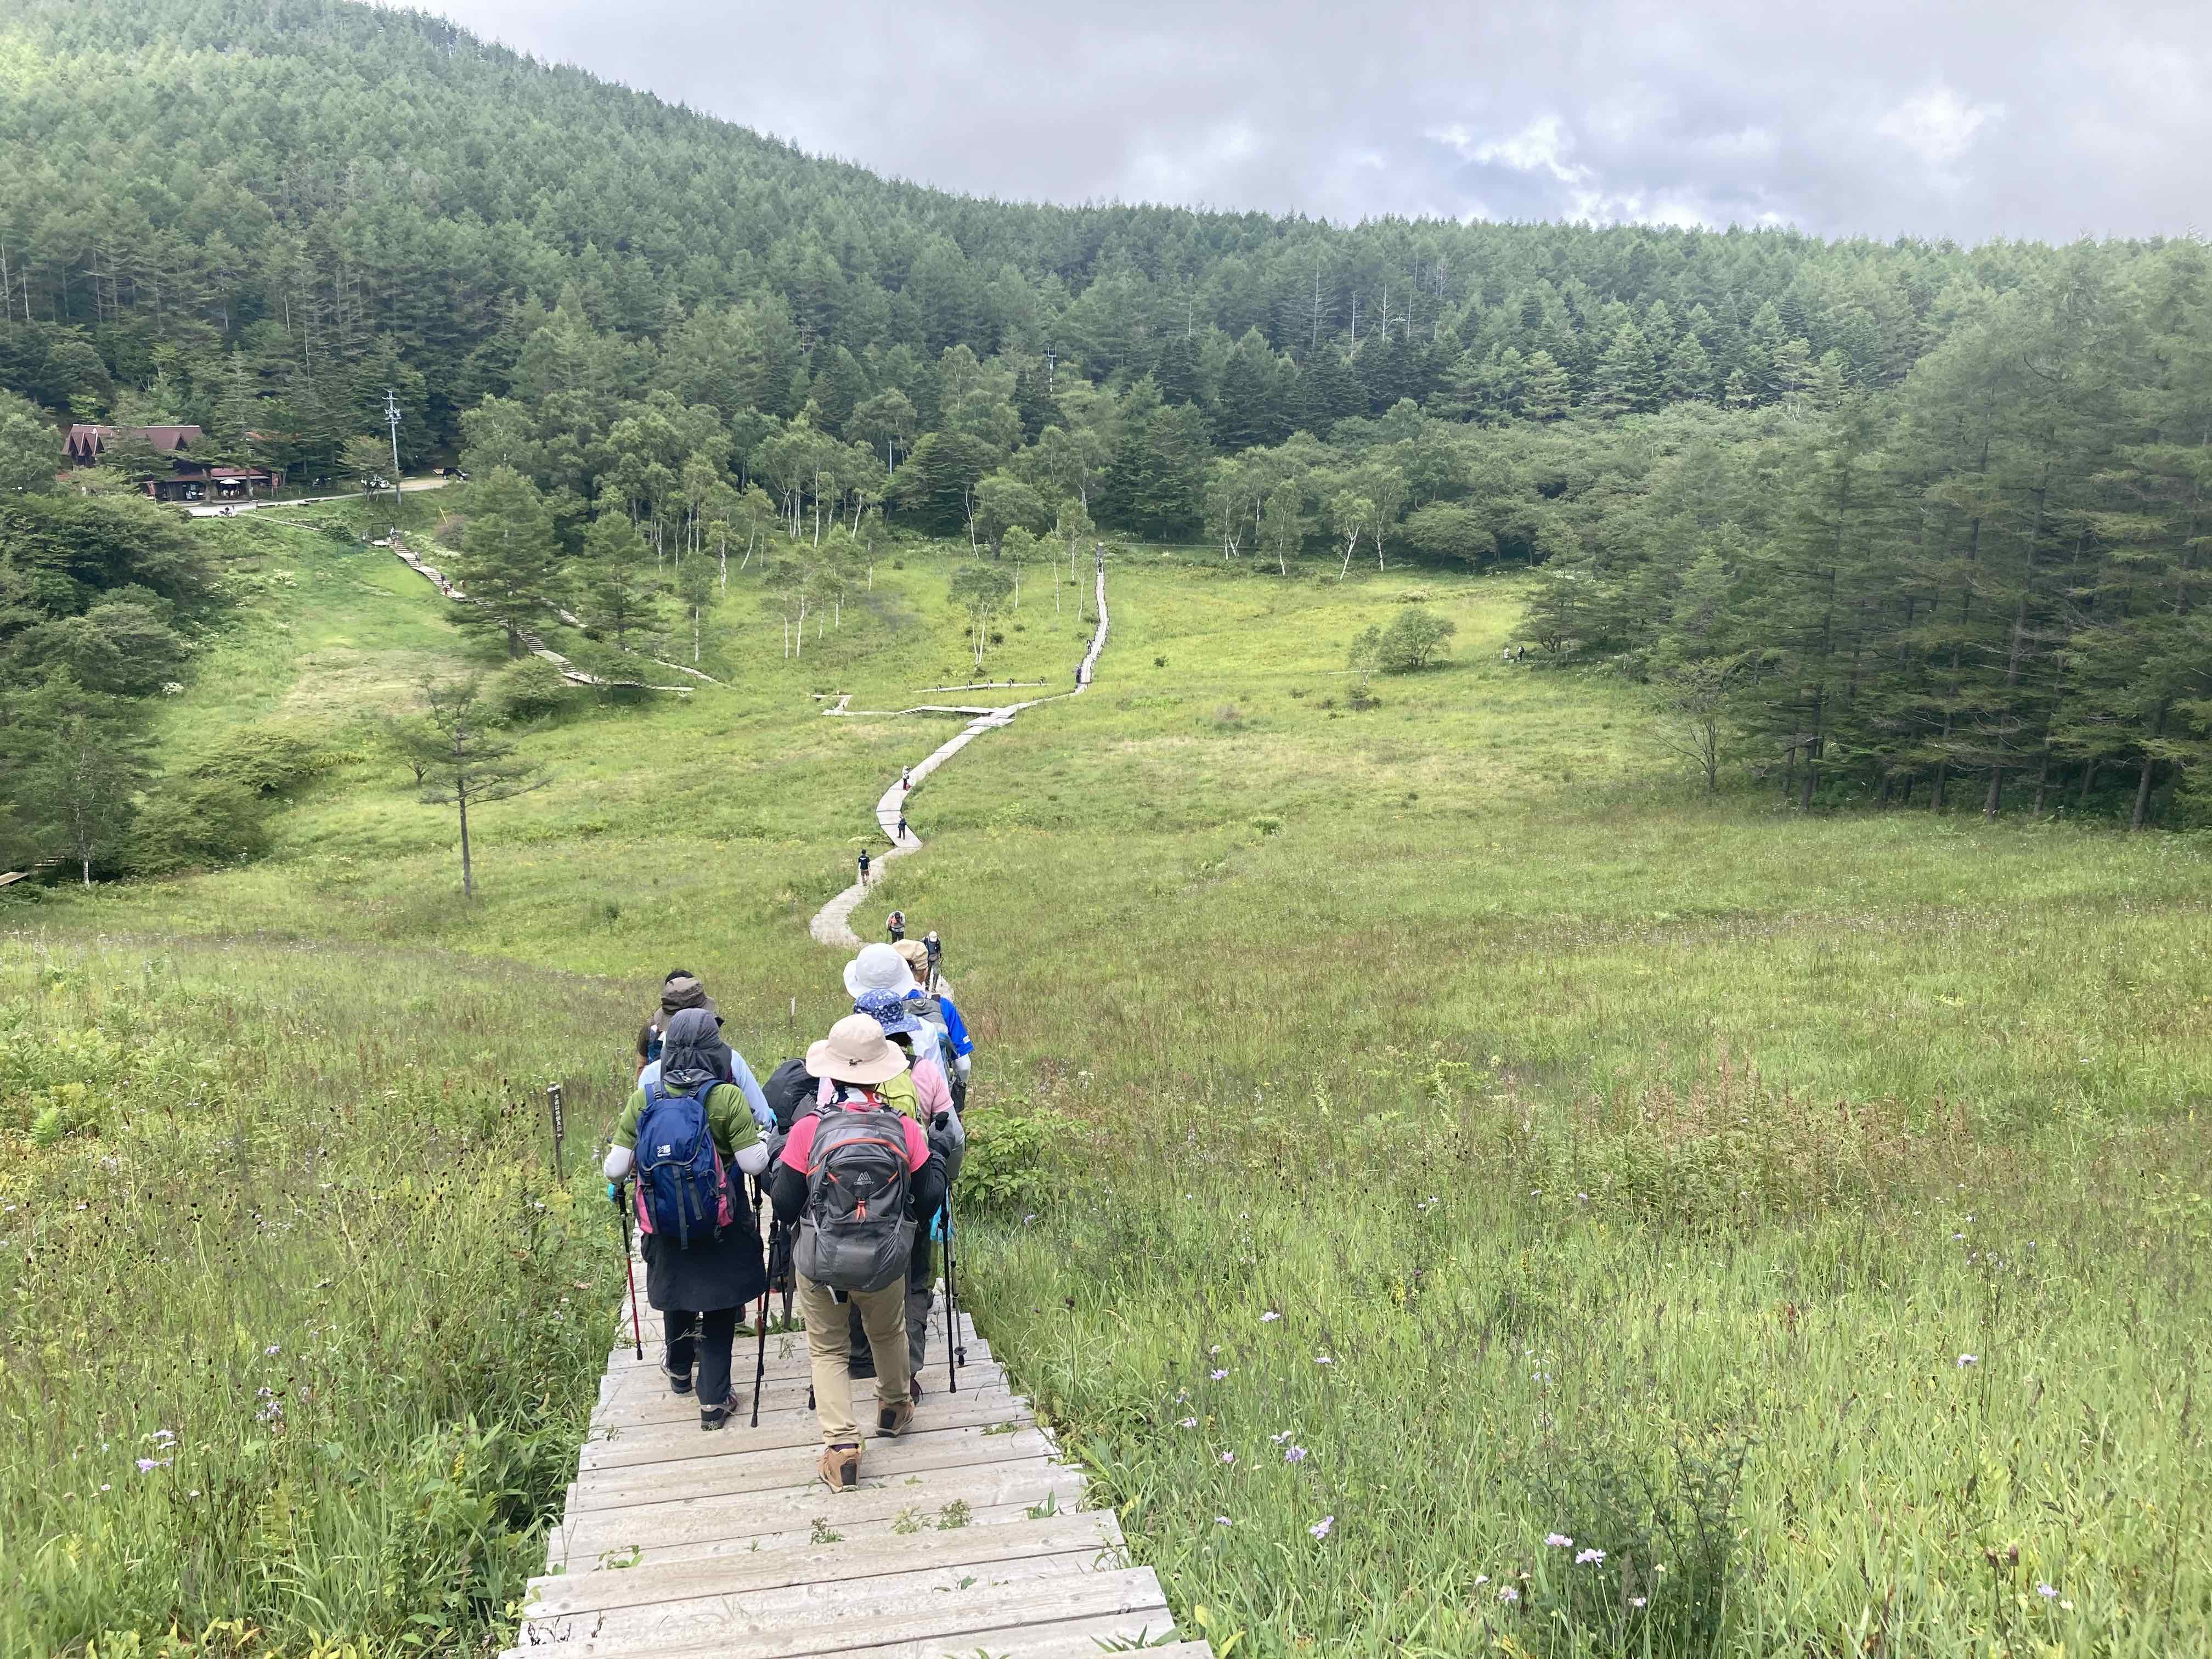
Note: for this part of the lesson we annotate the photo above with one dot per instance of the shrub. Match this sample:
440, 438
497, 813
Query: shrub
275, 757
197, 823
530, 688
1414, 639
1009, 1159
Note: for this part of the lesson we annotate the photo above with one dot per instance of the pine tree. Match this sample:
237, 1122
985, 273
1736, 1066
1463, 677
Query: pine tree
1689, 373
1544, 389
506, 566
611, 585
1627, 381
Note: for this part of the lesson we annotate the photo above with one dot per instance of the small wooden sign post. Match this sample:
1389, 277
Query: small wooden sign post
560, 1129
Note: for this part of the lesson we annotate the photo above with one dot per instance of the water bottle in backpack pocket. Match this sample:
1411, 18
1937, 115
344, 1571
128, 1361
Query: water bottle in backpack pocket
683, 1189
855, 1233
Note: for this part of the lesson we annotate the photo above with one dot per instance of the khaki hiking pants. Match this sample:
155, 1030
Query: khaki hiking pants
883, 1314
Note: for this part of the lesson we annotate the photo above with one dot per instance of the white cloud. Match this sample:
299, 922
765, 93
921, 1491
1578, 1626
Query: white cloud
1937, 125
1880, 118
1542, 146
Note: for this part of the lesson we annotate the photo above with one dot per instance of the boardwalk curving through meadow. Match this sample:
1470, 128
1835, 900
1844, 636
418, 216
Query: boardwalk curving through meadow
968, 1535
833, 923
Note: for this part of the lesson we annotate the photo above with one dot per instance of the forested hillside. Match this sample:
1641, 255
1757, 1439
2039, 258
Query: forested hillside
1867, 517
283, 205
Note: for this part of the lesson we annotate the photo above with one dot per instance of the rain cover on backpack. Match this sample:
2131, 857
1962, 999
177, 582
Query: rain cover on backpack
683, 1190
855, 1233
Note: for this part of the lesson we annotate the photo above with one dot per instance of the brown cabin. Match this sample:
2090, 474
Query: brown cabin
190, 480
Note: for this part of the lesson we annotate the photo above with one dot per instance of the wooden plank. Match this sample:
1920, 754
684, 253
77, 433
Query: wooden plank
1075, 1638
794, 1608
693, 1524
642, 1388
688, 1442
664, 1410
845, 1561
881, 1460
786, 1356
1061, 1496
845, 1618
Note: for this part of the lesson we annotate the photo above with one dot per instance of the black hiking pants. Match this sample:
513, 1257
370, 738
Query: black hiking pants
707, 1337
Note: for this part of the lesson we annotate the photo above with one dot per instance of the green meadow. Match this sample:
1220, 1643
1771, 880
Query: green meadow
1413, 1127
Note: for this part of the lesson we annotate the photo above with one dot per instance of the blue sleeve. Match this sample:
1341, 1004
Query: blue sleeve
956, 1027
755, 1100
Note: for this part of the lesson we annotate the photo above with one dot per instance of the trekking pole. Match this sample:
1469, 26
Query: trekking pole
956, 1350
630, 1273
760, 1363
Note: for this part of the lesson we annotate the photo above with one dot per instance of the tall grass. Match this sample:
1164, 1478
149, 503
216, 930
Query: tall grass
301, 1331
1808, 1382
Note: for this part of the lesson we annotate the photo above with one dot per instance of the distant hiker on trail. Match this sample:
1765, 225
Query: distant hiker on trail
903, 832
906, 778
925, 1094
858, 1177
896, 925
936, 951
864, 866
702, 1255
684, 990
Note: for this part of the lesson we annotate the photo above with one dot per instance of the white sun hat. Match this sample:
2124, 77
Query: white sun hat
877, 968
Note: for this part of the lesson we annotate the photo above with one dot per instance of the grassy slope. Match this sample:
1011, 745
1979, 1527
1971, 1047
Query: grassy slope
1294, 960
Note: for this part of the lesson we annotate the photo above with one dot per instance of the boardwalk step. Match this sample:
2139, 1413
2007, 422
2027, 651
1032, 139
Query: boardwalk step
724, 1525
643, 1448
848, 1560
762, 1471
921, 1614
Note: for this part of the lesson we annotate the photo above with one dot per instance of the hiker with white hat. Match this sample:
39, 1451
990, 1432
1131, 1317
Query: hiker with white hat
858, 1176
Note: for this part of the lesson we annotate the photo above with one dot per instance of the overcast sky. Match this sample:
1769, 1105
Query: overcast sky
1973, 118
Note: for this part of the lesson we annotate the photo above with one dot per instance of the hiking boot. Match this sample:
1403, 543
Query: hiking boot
861, 1370
713, 1417
841, 1468
679, 1382
891, 1421
917, 1389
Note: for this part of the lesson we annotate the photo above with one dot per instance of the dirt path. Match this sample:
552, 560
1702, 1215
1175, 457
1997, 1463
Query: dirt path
832, 923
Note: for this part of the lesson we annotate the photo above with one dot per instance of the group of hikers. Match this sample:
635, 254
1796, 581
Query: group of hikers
854, 1149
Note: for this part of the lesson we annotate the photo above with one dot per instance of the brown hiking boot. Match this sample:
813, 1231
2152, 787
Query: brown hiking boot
841, 1468
891, 1421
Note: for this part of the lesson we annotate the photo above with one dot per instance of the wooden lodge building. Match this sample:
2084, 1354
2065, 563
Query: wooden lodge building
188, 480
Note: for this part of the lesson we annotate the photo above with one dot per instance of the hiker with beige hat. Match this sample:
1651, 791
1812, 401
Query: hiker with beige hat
859, 1178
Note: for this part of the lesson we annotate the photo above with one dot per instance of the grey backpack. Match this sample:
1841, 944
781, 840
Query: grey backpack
855, 1233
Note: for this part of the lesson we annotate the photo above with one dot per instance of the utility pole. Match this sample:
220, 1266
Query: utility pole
391, 419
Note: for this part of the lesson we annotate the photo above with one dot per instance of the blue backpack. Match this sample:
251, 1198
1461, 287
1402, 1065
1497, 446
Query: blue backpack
683, 1189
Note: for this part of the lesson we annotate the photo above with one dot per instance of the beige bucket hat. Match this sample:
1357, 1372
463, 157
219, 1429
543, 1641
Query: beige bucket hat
855, 1051
917, 957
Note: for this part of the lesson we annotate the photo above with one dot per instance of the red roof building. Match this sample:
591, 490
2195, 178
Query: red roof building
189, 480
86, 441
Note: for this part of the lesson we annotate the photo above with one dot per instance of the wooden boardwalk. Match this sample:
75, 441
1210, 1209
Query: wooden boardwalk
967, 1536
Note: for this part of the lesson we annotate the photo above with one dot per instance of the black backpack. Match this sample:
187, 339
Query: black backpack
791, 1091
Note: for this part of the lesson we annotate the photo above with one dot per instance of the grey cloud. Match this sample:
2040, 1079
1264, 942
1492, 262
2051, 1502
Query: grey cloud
1972, 121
